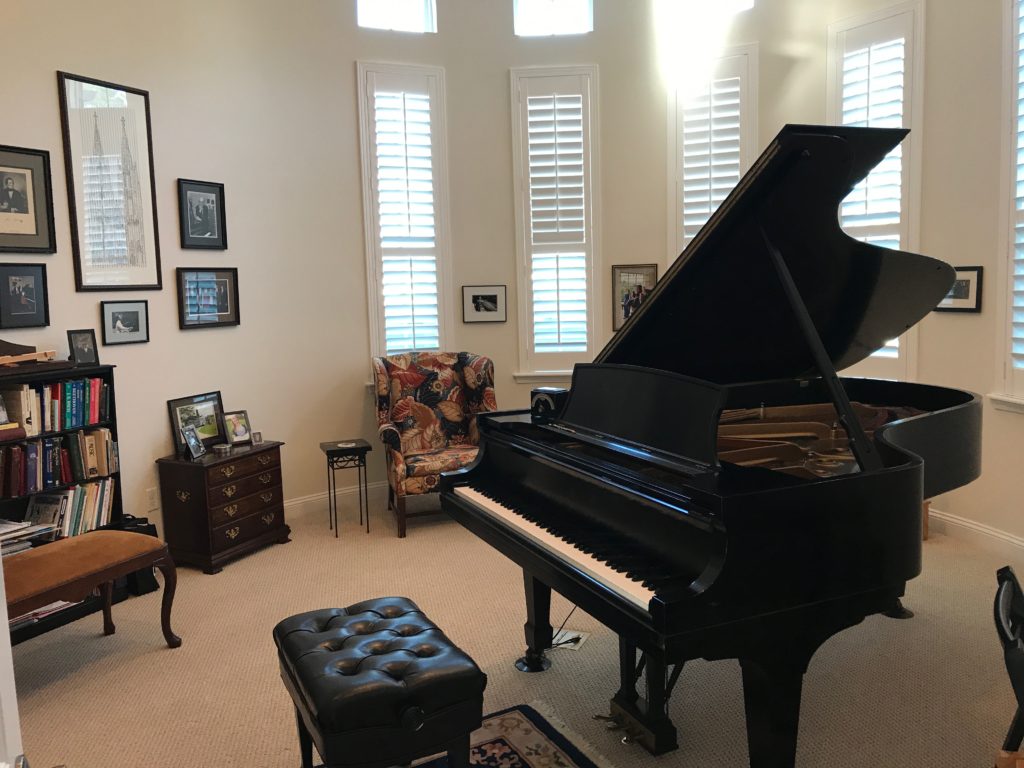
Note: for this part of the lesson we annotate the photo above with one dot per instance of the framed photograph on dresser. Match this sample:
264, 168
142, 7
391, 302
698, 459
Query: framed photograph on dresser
205, 412
207, 297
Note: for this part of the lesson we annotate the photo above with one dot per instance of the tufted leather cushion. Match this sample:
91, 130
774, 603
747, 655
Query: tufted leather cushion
378, 664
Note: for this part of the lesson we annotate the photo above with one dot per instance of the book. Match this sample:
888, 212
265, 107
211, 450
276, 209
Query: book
16, 472
77, 458
96, 392
12, 434
101, 437
91, 462
65, 466
44, 508
31, 467
16, 406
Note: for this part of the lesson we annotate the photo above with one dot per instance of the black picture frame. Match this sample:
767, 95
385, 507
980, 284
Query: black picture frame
625, 278
484, 304
82, 347
201, 215
965, 295
193, 443
201, 411
207, 298
104, 122
23, 296
124, 322
233, 419
30, 228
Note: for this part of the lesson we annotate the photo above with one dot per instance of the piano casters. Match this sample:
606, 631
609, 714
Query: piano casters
538, 625
646, 720
899, 611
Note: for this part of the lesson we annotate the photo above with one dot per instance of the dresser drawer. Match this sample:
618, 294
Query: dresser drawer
236, 489
243, 466
240, 531
236, 510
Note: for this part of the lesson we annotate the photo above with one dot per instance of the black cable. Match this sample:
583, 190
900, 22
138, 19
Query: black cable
561, 627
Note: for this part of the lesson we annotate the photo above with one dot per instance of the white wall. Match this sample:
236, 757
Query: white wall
261, 96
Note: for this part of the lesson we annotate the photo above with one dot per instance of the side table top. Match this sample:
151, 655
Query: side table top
352, 447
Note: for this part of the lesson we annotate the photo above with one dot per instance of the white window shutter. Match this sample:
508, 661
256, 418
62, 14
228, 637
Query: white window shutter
1016, 377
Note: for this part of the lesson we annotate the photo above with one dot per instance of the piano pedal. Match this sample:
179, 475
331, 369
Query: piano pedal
627, 740
610, 723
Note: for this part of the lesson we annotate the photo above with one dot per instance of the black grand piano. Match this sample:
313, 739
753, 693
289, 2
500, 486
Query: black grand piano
709, 487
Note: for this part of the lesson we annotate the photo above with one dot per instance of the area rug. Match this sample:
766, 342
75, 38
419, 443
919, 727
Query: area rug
520, 737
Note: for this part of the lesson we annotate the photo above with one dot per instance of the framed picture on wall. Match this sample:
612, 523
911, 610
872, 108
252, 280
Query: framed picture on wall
207, 297
201, 214
631, 283
125, 322
965, 295
484, 304
26, 201
23, 302
108, 158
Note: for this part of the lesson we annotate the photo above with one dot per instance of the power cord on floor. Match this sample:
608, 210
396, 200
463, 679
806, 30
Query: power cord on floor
572, 640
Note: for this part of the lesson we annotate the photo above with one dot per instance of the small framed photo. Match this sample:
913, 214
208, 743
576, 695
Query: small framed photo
82, 344
205, 412
23, 301
125, 322
965, 295
631, 284
207, 297
201, 214
257, 438
484, 304
26, 201
236, 425
193, 442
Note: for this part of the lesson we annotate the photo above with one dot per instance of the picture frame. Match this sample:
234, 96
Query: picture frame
205, 412
23, 296
201, 214
207, 297
193, 442
626, 280
26, 201
114, 231
124, 322
237, 429
965, 295
484, 304
82, 347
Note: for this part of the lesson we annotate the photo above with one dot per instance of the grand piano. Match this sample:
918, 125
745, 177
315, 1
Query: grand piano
709, 487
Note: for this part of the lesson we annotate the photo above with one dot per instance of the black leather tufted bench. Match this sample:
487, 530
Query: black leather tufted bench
378, 684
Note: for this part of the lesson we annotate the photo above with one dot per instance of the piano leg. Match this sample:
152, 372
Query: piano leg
646, 721
771, 698
538, 625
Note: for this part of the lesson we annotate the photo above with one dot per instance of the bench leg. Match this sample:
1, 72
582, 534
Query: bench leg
305, 742
170, 573
107, 594
458, 752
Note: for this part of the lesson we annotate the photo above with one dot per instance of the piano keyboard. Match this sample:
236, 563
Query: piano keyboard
620, 583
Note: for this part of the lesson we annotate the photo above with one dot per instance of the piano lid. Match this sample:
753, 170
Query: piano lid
720, 312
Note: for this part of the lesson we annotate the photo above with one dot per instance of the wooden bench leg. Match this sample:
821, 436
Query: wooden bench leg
170, 573
107, 594
458, 752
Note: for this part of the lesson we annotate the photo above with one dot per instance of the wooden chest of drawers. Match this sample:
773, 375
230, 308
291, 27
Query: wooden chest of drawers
218, 508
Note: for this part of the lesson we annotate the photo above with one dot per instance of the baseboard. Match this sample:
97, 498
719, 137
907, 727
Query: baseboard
317, 502
993, 539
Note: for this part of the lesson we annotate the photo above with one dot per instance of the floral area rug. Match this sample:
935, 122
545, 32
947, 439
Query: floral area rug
520, 737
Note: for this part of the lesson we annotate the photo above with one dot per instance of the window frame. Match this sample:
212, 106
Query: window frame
517, 33
540, 367
434, 78
429, 18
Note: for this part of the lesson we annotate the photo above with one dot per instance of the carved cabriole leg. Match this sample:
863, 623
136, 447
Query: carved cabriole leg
771, 697
400, 515
538, 625
170, 574
305, 742
107, 595
458, 752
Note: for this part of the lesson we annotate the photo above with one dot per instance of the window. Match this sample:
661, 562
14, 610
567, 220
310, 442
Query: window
874, 72
553, 17
397, 15
554, 143
401, 111
1014, 365
713, 141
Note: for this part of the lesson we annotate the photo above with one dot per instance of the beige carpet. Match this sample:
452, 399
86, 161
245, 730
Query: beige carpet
927, 692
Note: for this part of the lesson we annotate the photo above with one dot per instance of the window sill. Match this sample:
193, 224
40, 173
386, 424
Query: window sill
1009, 403
542, 377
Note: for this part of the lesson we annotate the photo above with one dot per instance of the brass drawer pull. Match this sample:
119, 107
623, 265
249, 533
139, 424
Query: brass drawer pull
266, 497
264, 460
230, 490
266, 478
228, 471
183, 496
268, 519
232, 533
231, 510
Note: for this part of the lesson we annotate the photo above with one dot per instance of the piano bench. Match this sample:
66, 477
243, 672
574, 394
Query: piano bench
378, 684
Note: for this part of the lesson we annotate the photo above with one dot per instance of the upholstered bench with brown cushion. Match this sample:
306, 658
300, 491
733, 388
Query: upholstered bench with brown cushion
70, 569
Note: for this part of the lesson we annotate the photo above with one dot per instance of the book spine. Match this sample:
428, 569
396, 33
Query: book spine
96, 393
47, 462
65, 466
31, 467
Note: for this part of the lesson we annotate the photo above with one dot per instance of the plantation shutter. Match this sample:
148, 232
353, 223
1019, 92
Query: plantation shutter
1017, 311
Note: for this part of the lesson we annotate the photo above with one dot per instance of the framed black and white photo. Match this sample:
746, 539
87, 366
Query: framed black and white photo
236, 428
965, 295
82, 344
484, 304
26, 201
193, 442
207, 297
631, 283
204, 412
23, 302
201, 214
125, 322
108, 157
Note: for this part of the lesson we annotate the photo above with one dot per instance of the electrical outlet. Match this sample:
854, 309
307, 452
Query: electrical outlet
152, 499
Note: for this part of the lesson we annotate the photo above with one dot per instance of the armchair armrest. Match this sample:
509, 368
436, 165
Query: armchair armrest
390, 436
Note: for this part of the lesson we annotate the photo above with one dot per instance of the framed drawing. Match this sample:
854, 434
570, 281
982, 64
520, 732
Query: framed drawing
201, 214
82, 344
108, 158
484, 304
203, 412
125, 322
965, 295
631, 283
23, 302
207, 297
26, 201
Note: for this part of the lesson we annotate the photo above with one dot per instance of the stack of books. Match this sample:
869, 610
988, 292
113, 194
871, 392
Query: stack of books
15, 536
32, 617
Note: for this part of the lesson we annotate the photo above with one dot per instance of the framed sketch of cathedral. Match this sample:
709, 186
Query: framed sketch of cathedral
108, 157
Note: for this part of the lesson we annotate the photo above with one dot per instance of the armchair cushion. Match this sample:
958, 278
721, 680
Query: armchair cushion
436, 462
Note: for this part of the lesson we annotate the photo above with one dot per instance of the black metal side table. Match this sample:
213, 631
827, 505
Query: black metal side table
344, 454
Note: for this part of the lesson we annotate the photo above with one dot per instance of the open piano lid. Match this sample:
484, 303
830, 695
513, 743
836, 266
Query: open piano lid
720, 312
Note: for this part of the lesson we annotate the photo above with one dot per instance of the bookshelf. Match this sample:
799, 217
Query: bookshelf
49, 455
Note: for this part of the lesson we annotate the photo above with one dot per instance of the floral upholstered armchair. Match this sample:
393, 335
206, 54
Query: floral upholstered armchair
427, 404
